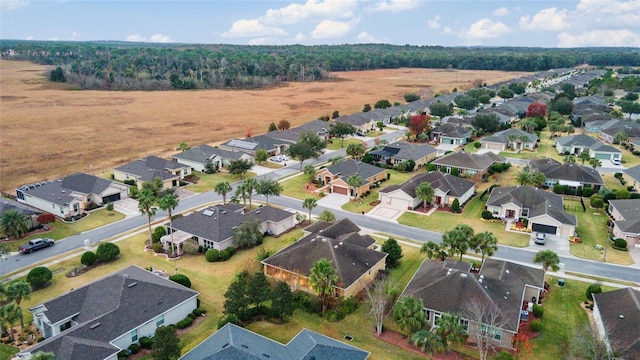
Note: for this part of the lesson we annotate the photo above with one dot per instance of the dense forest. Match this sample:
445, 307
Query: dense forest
145, 66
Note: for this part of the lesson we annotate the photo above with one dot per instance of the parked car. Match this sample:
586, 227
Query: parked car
616, 161
276, 159
361, 133
35, 244
540, 238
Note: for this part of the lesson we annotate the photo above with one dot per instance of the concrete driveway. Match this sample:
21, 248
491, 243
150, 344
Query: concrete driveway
385, 213
333, 201
128, 207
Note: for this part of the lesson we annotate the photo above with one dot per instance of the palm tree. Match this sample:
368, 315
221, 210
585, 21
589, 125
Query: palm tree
147, 200
309, 204
14, 223
355, 181
250, 184
524, 139
538, 179
458, 239
409, 314
427, 340
425, 192
269, 187
223, 188
525, 177
241, 191
169, 202
323, 277
595, 162
512, 138
486, 243
41, 355
570, 129
450, 330
548, 259
570, 159
18, 291
9, 314
584, 156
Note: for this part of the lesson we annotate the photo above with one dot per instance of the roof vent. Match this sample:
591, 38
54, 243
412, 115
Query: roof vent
335, 246
480, 280
324, 239
463, 275
132, 284
505, 298
354, 264
621, 316
93, 326
340, 243
257, 211
266, 355
507, 271
207, 212
224, 211
244, 346
225, 345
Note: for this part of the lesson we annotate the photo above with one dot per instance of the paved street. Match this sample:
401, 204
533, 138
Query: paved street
371, 223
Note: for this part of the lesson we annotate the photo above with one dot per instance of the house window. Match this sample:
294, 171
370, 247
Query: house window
495, 333
465, 324
525, 212
436, 318
160, 320
428, 313
134, 335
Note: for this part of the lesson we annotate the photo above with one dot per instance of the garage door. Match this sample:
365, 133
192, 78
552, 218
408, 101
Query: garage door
340, 190
547, 229
400, 204
493, 146
602, 156
111, 198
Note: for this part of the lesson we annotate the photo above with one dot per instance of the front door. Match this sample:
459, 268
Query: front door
438, 200
511, 214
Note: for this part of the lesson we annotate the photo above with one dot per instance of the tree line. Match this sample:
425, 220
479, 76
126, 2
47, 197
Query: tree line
144, 66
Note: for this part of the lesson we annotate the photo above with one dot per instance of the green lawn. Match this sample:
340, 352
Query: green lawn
592, 230
296, 187
375, 133
334, 144
364, 204
63, 230
441, 222
208, 181
7, 351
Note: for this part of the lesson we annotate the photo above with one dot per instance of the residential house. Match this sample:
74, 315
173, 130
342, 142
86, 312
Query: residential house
634, 173
463, 121
394, 154
214, 226
447, 188
576, 144
250, 145
30, 212
233, 342
630, 128
196, 158
451, 134
362, 121
543, 210
626, 222
71, 195
505, 116
152, 167
336, 177
468, 164
515, 139
292, 135
501, 287
571, 175
617, 315
350, 253
100, 319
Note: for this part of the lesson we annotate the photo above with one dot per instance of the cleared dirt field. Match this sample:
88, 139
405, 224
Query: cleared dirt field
49, 130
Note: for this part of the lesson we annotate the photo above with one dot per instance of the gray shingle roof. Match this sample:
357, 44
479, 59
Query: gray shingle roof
232, 342
634, 172
59, 191
8, 204
446, 183
119, 302
446, 289
572, 172
405, 151
201, 153
588, 141
620, 314
451, 130
538, 202
151, 167
464, 160
628, 208
502, 136
631, 128
349, 258
350, 167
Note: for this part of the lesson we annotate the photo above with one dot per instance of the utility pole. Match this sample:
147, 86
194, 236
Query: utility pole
609, 236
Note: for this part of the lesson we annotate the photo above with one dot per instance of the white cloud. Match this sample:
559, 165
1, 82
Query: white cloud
135, 38
549, 19
621, 37
394, 5
74, 36
447, 30
434, 23
258, 41
55, 38
331, 29
300, 38
611, 13
254, 27
365, 37
159, 38
485, 29
156, 38
503, 11
296, 13
13, 4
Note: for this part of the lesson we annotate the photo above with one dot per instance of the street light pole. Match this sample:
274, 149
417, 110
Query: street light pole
609, 236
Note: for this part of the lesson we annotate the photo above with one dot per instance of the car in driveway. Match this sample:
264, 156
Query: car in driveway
540, 238
616, 162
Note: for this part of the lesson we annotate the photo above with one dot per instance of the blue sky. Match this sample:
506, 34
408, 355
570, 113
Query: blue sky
564, 23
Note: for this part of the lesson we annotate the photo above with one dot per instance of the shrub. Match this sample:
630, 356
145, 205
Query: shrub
593, 289
231, 250
122, 354
157, 248
618, 175
198, 312
477, 145
135, 348
46, 218
184, 323
181, 279
596, 202
109, 206
535, 326
302, 300
130, 182
225, 255
348, 306
620, 243
146, 342
455, 207
88, 258
558, 189
431, 167
587, 191
107, 251
455, 171
263, 254
159, 232
212, 255
230, 318
504, 355
39, 276
191, 316
487, 215
538, 311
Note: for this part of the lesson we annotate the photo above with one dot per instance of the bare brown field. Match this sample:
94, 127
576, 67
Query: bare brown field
49, 130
